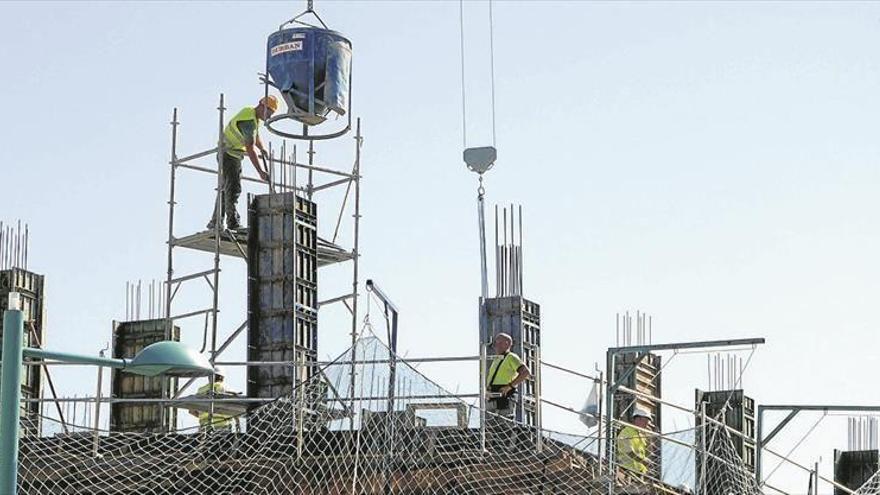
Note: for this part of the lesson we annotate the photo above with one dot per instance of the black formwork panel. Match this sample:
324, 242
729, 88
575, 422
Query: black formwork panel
642, 373
521, 319
129, 338
854, 467
282, 292
33, 305
737, 411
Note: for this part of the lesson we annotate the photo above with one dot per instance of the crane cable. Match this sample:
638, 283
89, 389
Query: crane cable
491, 71
492, 66
481, 191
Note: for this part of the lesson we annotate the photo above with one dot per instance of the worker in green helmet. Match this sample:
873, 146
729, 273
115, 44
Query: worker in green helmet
632, 444
240, 138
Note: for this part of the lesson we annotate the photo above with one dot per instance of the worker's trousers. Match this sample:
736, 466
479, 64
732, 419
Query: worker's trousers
230, 190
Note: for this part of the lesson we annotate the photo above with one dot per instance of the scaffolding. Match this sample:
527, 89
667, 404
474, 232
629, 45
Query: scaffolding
223, 242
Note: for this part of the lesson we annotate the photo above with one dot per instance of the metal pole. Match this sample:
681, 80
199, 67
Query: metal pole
484, 276
701, 486
392, 387
170, 270
355, 254
298, 412
97, 418
609, 406
311, 152
215, 287
10, 396
389, 307
600, 412
759, 445
482, 397
538, 404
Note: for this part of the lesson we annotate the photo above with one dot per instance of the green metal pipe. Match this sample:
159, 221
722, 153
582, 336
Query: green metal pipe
74, 358
10, 395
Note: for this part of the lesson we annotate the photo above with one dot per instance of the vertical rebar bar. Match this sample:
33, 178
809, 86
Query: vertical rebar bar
16, 262
520, 257
271, 168
497, 258
26, 245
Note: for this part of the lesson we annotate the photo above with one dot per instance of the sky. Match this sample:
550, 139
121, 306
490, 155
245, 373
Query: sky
713, 164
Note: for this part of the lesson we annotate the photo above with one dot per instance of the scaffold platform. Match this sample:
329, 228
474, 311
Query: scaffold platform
234, 243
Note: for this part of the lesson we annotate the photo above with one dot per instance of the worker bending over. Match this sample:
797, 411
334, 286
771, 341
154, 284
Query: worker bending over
506, 373
632, 444
219, 421
241, 137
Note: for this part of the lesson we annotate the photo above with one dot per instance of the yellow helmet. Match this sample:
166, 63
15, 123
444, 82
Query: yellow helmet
270, 102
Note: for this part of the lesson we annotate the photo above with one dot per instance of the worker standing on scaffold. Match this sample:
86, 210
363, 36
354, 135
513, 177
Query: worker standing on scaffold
632, 444
241, 137
506, 373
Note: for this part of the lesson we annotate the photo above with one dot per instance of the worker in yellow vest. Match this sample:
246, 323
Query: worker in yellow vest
240, 138
632, 444
218, 421
506, 373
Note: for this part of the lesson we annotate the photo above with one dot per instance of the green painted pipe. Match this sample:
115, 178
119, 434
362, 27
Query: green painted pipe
10, 396
74, 358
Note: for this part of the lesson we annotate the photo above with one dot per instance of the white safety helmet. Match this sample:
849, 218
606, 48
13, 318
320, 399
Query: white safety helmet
641, 412
219, 372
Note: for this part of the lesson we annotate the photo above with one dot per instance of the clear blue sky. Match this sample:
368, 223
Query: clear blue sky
714, 164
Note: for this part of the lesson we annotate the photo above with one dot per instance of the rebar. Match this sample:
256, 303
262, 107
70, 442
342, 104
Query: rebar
14, 244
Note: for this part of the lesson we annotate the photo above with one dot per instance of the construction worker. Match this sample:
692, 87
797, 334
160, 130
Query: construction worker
506, 373
218, 421
632, 444
241, 137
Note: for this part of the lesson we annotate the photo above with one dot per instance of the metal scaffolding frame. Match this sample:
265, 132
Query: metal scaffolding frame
613, 384
792, 410
283, 168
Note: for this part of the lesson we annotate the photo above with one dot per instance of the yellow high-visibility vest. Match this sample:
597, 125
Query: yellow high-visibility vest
503, 369
233, 140
220, 421
632, 450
